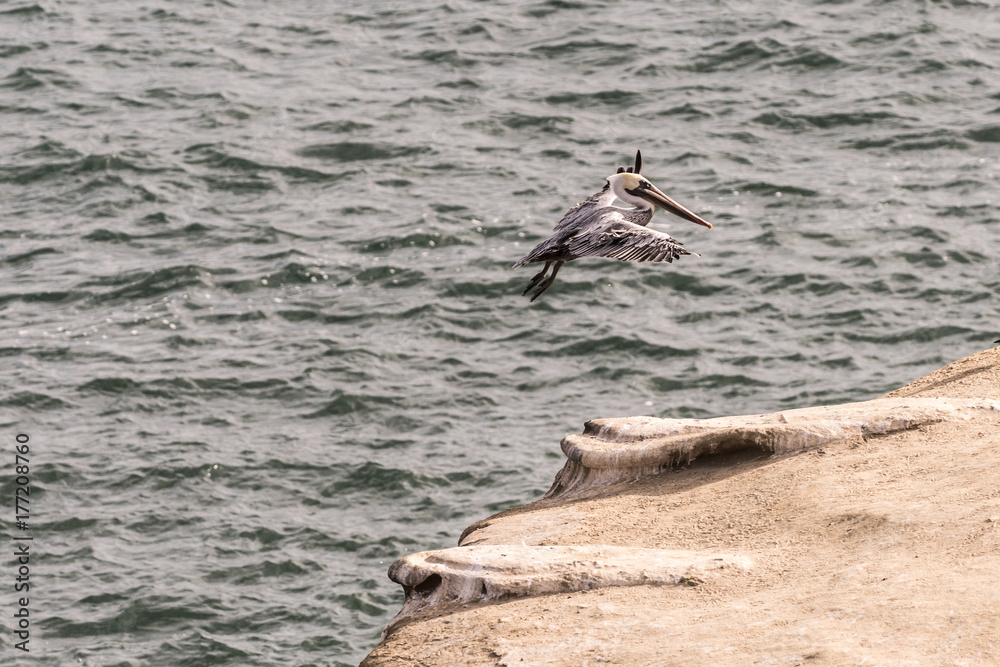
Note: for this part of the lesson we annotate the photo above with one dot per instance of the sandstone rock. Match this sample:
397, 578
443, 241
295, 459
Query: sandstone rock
449, 577
856, 534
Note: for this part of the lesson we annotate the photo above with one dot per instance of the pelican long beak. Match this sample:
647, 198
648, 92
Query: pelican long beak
654, 196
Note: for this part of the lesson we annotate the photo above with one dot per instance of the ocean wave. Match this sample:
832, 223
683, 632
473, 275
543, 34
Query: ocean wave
985, 134
24, 79
42, 162
143, 613
799, 122
609, 98
218, 157
913, 141
614, 346
146, 284
352, 151
33, 400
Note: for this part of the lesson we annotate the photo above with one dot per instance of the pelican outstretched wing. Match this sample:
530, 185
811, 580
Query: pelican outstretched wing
626, 241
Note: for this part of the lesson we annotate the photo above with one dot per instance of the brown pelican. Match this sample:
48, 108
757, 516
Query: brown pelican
597, 227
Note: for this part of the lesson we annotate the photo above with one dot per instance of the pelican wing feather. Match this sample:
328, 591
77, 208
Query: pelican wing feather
619, 239
583, 213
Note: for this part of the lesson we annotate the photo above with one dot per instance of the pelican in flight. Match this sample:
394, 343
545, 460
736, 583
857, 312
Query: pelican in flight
597, 227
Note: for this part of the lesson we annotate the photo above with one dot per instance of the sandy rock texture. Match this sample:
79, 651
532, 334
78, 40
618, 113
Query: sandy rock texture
871, 545
445, 579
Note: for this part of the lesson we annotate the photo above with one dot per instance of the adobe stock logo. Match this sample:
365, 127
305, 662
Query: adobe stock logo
22, 543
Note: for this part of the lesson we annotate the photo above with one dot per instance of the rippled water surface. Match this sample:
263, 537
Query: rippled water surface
258, 314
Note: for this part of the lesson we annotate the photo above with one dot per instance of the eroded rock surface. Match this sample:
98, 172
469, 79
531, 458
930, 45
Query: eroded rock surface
625, 449
878, 543
463, 575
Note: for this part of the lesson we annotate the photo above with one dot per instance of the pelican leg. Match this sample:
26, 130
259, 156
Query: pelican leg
548, 282
537, 279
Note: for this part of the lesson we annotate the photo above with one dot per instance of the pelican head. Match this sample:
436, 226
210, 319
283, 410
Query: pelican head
635, 189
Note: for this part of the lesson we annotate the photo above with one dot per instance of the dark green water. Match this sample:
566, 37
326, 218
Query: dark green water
258, 315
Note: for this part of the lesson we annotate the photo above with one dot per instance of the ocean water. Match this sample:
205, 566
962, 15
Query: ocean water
258, 316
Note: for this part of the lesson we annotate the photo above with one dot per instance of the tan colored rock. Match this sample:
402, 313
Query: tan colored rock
441, 579
878, 546
625, 449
